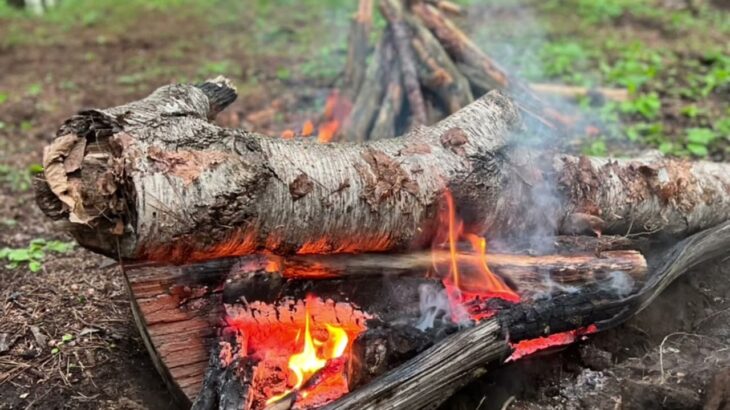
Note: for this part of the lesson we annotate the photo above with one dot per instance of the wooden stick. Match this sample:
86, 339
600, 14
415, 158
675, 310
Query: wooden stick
484, 73
385, 125
522, 268
358, 48
437, 71
191, 190
574, 92
392, 10
367, 104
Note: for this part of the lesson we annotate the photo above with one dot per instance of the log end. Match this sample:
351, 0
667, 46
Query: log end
220, 92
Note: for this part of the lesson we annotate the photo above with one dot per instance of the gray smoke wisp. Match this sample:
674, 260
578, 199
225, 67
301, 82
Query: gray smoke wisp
433, 303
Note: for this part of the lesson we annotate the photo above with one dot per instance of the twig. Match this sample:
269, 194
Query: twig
508, 402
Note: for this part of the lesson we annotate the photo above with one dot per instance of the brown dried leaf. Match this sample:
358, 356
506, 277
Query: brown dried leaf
75, 156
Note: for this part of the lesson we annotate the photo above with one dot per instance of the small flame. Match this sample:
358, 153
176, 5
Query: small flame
327, 131
307, 128
314, 355
462, 286
288, 134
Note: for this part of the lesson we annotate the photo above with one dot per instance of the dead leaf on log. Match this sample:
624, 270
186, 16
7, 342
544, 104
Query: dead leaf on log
454, 139
301, 186
64, 154
75, 156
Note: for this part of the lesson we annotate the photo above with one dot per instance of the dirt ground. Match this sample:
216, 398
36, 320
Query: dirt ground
67, 337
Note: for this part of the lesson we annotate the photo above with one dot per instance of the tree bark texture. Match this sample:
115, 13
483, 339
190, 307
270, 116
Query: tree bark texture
154, 179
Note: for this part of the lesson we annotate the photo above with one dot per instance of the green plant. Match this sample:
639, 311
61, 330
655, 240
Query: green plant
698, 140
562, 59
648, 133
34, 254
34, 89
3, 97
636, 66
692, 111
647, 105
722, 126
596, 148
18, 180
66, 338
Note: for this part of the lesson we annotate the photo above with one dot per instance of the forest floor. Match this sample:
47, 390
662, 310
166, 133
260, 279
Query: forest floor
67, 337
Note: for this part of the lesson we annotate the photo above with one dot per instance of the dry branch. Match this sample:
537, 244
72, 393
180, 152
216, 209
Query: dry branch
393, 12
358, 48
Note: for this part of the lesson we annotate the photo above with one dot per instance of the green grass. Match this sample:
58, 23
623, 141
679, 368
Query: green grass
671, 60
18, 180
33, 255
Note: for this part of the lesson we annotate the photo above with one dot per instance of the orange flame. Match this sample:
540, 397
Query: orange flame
327, 131
314, 354
483, 282
307, 128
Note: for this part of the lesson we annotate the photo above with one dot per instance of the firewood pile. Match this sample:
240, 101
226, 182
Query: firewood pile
423, 69
272, 273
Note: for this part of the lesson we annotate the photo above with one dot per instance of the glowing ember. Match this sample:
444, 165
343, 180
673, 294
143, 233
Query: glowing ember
527, 347
301, 349
314, 354
469, 278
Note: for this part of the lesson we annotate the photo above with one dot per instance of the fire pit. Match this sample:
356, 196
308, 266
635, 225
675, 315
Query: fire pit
280, 273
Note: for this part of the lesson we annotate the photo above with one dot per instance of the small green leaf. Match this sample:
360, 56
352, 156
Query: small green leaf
35, 168
697, 150
19, 255
666, 147
67, 338
700, 136
34, 266
55, 350
3, 97
34, 89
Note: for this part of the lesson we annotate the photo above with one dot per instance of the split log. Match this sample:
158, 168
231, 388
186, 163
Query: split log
393, 12
358, 48
367, 103
527, 274
481, 70
153, 179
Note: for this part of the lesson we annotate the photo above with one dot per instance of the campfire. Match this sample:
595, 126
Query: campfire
283, 274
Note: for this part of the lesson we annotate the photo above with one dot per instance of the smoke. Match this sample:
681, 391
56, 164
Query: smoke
621, 283
434, 304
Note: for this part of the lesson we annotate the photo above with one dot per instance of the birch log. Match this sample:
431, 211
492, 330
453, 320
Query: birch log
154, 179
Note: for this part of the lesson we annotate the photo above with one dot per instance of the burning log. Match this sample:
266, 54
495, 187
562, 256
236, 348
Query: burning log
154, 179
428, 379
528, 274
396, 352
